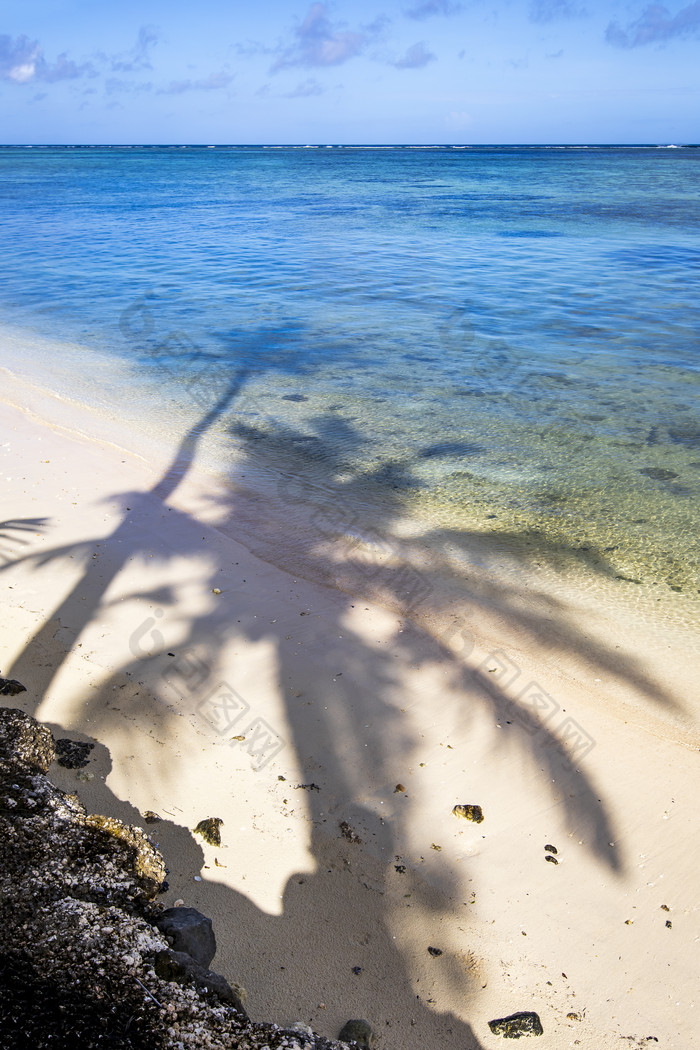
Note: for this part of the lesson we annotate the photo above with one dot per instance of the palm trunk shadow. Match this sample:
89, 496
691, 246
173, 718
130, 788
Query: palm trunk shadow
80, 606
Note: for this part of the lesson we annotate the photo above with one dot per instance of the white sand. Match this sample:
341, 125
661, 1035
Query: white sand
355, 698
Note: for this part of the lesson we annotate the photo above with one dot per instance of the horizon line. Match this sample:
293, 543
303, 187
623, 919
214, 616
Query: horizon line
348, 145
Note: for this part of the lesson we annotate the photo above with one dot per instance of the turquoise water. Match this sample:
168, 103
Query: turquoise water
503, 337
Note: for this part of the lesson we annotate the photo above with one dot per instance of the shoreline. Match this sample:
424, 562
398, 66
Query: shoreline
631, 535
457, 586
359, 695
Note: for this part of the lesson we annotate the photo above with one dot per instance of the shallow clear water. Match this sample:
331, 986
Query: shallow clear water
503, 337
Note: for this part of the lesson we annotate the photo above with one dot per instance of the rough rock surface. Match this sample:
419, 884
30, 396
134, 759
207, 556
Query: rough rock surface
516, 1025
72, 754
358, 1032
81, 959
187, 930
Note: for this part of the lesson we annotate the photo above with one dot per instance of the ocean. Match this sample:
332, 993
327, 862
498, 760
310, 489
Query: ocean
498, 344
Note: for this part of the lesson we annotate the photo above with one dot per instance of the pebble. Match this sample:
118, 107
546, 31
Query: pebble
358, 1032
512, 1027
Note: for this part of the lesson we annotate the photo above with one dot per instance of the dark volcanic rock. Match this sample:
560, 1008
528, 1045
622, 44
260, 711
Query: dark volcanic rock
11, 687
78, 940
114, 839
24, 744
189, 931
358, 1032
72, 754
182, 968
512, 1027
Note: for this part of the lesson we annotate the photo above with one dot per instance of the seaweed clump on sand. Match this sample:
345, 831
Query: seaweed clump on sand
209, 830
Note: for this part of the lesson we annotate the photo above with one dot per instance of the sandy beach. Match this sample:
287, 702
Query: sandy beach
333, 731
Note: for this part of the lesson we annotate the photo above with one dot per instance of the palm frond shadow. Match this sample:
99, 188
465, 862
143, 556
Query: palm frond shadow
361, 699
14, 533
345, 511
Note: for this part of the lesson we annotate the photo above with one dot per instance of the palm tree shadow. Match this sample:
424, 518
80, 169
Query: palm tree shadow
15, 533
80, 606
340, 761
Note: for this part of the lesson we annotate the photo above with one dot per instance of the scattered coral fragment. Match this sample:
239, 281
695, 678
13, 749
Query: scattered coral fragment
469, 812
347, 832
512, 1027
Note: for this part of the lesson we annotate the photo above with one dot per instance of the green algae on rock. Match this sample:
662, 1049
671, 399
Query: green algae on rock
147, 863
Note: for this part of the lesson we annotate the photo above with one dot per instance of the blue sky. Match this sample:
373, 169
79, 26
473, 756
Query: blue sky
290, 71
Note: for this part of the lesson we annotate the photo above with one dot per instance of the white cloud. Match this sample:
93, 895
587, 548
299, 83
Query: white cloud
214, 82
319, 42
551, 10
22, 60
138, 57
306, 89
434, 7
115, 85
655, 25
416, 57
18, 58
